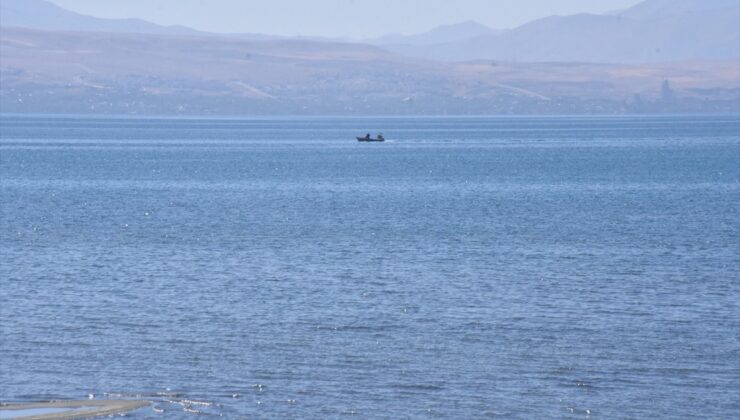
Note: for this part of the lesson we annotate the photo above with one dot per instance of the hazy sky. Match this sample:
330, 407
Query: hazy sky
336, 18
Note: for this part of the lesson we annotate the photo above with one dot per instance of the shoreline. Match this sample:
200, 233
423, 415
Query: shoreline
78, 409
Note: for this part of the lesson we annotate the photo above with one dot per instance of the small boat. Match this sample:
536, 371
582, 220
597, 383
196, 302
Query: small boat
368, 138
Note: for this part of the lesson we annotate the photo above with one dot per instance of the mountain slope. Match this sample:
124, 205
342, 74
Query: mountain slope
657, 9
439, 35
86, 72
41, 14
652, 31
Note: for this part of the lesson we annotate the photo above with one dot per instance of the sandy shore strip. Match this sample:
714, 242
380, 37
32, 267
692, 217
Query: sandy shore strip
64, 410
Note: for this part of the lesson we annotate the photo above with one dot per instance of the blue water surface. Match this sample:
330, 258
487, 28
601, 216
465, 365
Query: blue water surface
564, 267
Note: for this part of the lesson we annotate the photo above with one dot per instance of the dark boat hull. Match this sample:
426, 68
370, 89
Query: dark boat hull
369, 140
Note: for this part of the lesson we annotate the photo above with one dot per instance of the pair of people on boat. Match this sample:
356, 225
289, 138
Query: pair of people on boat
380, 136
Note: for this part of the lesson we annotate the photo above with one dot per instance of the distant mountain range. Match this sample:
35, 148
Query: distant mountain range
124, 73
659, 9
439, 35
42, 14
652, 31
56, 61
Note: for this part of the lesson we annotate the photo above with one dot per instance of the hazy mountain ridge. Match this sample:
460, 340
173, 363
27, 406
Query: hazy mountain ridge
142, 68
44, 15
44, 71
40, 14
650, 32
657, 9
441, 34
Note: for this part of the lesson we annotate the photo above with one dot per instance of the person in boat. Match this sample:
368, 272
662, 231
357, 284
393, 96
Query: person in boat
380, 136
367, 136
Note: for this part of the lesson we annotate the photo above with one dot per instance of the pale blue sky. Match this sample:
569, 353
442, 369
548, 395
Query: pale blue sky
337, 18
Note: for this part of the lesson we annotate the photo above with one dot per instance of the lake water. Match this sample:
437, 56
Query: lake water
466, 268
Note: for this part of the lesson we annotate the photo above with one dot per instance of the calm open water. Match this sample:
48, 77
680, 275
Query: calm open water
468, 268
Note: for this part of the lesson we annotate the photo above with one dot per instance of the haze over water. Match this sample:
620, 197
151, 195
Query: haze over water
467, 268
